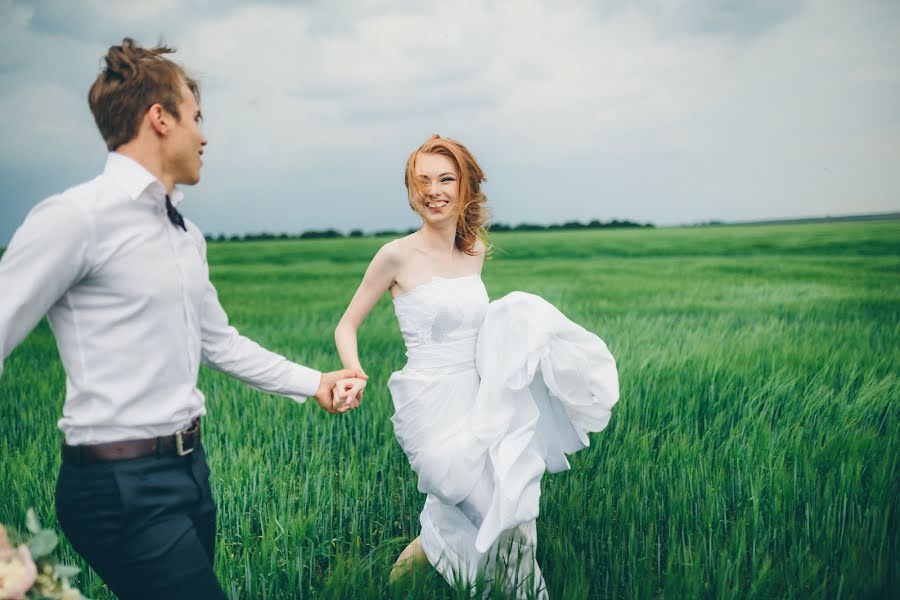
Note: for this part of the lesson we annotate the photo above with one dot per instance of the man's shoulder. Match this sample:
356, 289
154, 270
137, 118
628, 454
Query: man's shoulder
74, 203
80, 198
61, 219
196, 234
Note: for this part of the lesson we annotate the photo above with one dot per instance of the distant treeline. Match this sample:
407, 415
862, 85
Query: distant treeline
806, 220
358, 233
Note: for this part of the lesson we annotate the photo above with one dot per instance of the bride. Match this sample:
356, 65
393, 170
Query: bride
493, 394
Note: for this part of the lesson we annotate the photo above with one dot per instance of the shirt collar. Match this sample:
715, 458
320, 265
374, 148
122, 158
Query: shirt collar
136, 179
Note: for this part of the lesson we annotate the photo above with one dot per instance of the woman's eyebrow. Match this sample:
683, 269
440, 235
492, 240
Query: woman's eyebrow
425, 176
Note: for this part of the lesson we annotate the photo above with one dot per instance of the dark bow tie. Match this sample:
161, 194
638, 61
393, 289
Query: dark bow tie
174, 215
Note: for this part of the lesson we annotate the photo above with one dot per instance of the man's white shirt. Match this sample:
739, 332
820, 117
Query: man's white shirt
129, 300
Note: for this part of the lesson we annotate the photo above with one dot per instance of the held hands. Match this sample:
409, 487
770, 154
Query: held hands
348, 393
326, 395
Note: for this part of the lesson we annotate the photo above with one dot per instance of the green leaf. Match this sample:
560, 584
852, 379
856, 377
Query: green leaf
31, 521
42, 544
66, 571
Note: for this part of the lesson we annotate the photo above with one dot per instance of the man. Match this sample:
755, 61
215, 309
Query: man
124, 281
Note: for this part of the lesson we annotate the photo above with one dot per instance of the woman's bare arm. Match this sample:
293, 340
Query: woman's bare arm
380, 276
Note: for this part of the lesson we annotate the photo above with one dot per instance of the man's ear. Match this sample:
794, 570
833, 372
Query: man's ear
158, 118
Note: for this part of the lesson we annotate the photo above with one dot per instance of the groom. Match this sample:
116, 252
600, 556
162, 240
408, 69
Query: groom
124, 282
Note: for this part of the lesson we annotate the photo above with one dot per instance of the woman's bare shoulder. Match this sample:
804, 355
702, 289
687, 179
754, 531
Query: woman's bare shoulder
480, 252
394, 252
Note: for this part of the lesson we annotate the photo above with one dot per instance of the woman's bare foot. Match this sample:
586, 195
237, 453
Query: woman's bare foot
411, 557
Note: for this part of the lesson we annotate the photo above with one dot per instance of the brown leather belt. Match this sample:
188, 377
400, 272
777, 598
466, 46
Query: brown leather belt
181, 443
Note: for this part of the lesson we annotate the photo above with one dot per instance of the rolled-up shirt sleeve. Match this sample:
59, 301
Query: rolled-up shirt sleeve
47, 255
224, 349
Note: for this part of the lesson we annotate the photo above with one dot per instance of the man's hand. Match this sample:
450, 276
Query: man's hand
324, 396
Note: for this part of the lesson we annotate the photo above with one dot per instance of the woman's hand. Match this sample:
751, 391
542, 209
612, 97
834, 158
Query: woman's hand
324, 395
348, 393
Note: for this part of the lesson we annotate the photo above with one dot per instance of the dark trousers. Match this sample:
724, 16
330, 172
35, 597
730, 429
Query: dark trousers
147, 526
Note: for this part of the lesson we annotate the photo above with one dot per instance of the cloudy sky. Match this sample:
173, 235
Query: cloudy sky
670, 111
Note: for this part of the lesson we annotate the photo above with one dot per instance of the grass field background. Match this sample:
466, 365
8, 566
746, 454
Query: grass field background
754, 452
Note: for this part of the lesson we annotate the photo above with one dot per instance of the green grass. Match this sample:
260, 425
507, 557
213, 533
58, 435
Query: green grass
754, 452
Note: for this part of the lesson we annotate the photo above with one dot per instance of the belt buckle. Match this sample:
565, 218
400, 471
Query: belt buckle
179, 444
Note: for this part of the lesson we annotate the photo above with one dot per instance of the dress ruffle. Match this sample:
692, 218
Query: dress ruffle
481, 433
555, 381
546, 382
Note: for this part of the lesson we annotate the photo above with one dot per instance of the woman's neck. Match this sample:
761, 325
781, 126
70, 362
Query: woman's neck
440, 239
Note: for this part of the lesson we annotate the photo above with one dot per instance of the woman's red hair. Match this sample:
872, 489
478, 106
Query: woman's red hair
473, 216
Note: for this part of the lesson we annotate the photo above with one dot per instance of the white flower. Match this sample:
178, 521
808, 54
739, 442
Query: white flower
17, 573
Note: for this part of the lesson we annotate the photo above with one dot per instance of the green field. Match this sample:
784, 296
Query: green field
754, 452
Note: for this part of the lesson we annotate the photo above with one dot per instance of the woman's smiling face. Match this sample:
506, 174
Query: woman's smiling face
438, 185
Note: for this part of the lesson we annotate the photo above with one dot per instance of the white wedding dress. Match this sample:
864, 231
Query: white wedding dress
493, 395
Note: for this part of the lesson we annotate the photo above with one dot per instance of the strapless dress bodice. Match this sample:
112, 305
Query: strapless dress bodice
440, 320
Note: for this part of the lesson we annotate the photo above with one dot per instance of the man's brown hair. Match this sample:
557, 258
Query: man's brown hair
133, 80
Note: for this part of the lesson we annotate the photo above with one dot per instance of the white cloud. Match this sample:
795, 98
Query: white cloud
15, 16
550, 79
132, 11
666, 111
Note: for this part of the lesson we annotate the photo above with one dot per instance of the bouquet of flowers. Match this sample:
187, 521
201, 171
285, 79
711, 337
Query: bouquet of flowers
30, 571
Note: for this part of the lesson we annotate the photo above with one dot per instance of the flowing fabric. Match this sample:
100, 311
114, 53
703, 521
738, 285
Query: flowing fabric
493, 395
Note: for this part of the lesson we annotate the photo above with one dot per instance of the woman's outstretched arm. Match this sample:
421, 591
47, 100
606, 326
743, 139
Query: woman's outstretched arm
379, 277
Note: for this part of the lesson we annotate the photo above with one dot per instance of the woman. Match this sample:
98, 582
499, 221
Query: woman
492, 395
